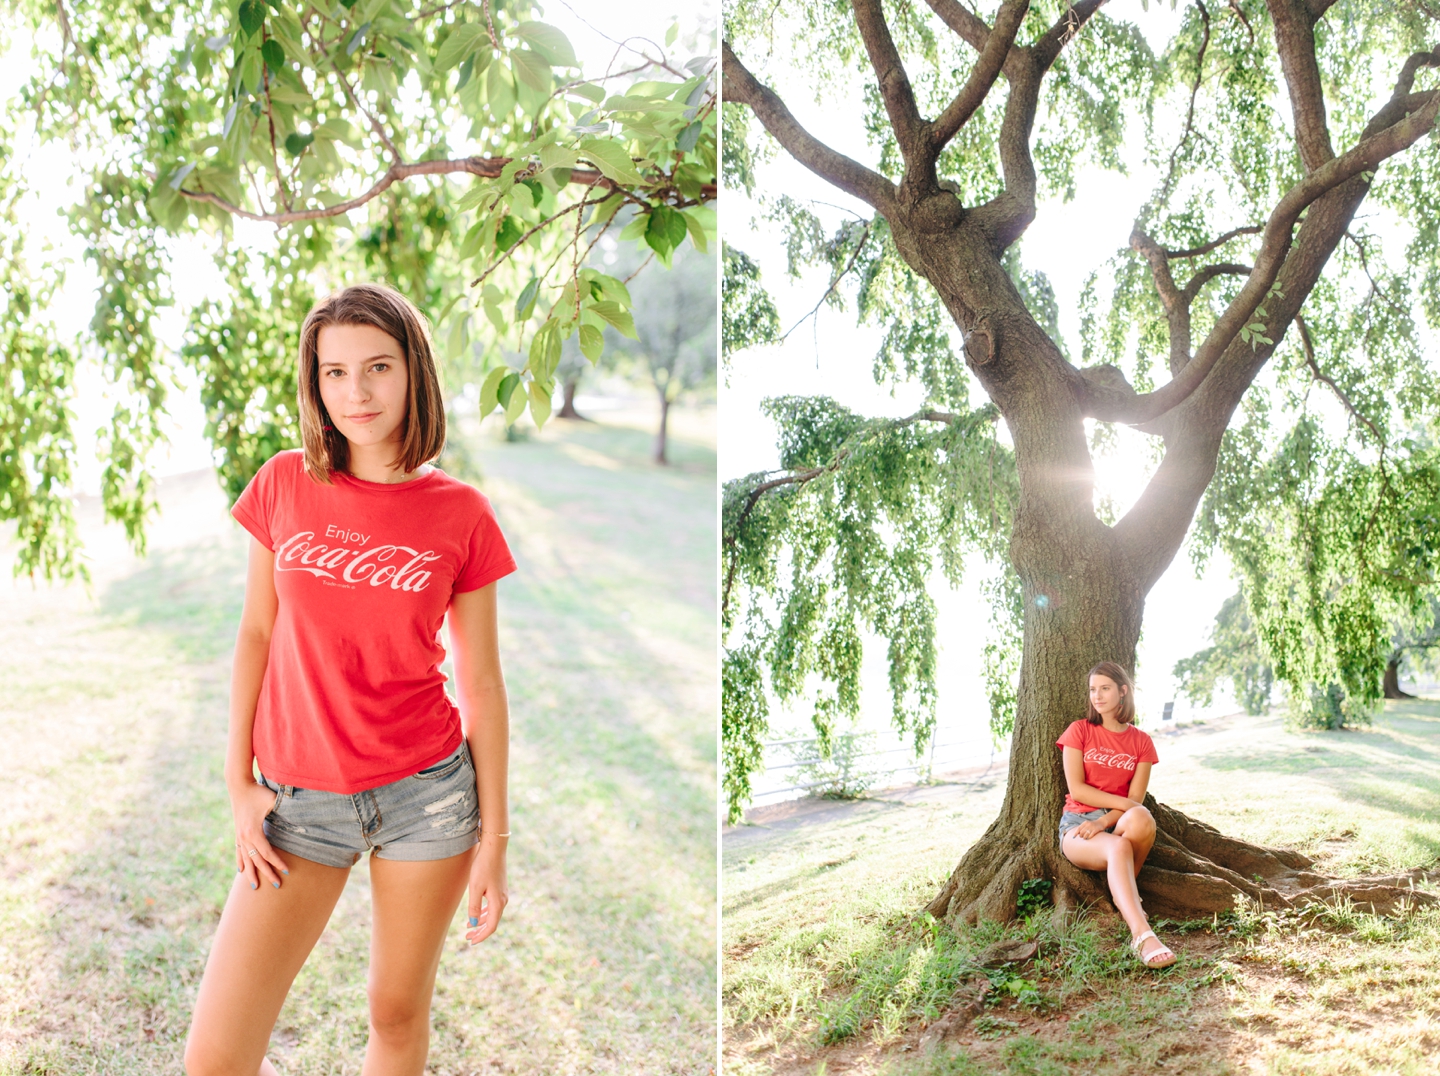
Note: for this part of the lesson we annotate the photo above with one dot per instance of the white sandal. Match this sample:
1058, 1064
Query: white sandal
1163, 954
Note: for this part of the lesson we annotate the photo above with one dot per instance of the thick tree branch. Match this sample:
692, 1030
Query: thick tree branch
1366, 156
1295, 42
982, 76
895, 88
1209, 273
1005, 217
849, 175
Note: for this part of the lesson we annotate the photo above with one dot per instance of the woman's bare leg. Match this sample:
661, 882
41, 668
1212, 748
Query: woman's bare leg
414, 904
1119, 856
1137, 826
263, 939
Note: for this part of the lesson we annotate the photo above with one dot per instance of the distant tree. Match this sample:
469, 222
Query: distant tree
674, 334
1235, 656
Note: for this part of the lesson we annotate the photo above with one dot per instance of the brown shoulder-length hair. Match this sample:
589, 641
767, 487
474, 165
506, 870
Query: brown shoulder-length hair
1121, 678
423, 436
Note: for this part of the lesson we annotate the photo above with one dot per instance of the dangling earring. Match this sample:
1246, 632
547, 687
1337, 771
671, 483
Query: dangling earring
328, 428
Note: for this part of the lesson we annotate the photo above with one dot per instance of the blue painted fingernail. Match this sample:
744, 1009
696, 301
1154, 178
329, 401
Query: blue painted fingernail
474, 922
284, 872
275, 884
252, 885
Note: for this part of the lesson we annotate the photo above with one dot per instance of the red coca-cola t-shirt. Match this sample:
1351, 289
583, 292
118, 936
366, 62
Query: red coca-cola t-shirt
1110, 758
353, 695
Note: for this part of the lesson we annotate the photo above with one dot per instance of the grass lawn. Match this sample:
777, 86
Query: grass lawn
115, 846
828, 968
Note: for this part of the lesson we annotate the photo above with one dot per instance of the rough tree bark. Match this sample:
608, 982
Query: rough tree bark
1084, 583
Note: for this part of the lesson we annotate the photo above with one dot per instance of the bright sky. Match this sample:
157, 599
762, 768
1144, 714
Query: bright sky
596, 29
830, 355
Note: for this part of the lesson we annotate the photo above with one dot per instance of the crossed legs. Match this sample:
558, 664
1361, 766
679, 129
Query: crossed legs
265, 936
1120, 855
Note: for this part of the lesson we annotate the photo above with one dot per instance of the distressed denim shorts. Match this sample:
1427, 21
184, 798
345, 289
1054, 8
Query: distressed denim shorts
1071, 820
432, 814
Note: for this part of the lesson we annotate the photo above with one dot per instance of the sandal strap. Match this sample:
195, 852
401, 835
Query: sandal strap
1135, 943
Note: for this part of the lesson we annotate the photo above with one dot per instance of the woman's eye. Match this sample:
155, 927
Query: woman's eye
380, 367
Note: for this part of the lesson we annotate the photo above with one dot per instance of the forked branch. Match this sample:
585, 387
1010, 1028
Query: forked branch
982, 76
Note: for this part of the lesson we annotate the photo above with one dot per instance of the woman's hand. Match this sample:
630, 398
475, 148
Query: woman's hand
250, 803
1087, 829
488, 894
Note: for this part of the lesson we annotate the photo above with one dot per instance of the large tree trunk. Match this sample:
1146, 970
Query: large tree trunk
1391, 683
1084, 586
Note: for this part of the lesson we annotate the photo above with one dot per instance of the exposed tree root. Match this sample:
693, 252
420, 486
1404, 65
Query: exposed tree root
1193, 870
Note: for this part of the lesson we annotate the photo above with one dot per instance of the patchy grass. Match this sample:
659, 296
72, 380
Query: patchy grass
828, 968
114, 834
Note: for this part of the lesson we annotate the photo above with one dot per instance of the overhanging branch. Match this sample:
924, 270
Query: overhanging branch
485, 167
982, 76
740, 86
895, 88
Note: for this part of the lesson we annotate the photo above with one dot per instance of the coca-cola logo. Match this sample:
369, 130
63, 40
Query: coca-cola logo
1118, 760
382, 565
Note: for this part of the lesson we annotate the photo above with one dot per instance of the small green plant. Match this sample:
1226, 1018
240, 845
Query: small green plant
994, 1027
1005, 983
843, 774
839, 1021
1034, 895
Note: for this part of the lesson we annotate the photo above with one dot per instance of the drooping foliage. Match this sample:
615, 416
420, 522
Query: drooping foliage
1235, 655
455, 151
1324, 495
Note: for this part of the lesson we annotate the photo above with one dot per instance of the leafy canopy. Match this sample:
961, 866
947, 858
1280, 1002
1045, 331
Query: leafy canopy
456, 151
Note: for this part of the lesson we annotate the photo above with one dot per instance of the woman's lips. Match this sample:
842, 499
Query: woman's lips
362, 419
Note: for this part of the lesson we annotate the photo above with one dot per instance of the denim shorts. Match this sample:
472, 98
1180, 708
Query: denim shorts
1071, 819
432, 814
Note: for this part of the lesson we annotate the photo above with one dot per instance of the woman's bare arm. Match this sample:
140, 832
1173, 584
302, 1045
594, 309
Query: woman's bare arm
250, 802
1074, 763
1140, 782
485, 717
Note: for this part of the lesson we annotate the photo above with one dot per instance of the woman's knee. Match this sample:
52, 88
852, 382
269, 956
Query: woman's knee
1136, 822
397, 1016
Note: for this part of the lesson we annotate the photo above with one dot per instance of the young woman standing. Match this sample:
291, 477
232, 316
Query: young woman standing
1105, 826
360, 550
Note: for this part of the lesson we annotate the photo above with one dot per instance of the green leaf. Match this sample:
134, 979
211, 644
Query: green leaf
697, 232
613, 313
505, 390
532, 70
548, 42
525, 304
489, 389
459, 337
463, 41
687, 138
252, 16
612, 160
356, 39
537, 192
273, 55
499, 91
660, 230
636, 228
515, 403
589, 91
672, 33
466, 70
540, 401
509, 234
592, 343
295, 142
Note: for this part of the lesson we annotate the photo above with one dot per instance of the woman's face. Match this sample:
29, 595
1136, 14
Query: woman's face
1105, 694
363, 383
